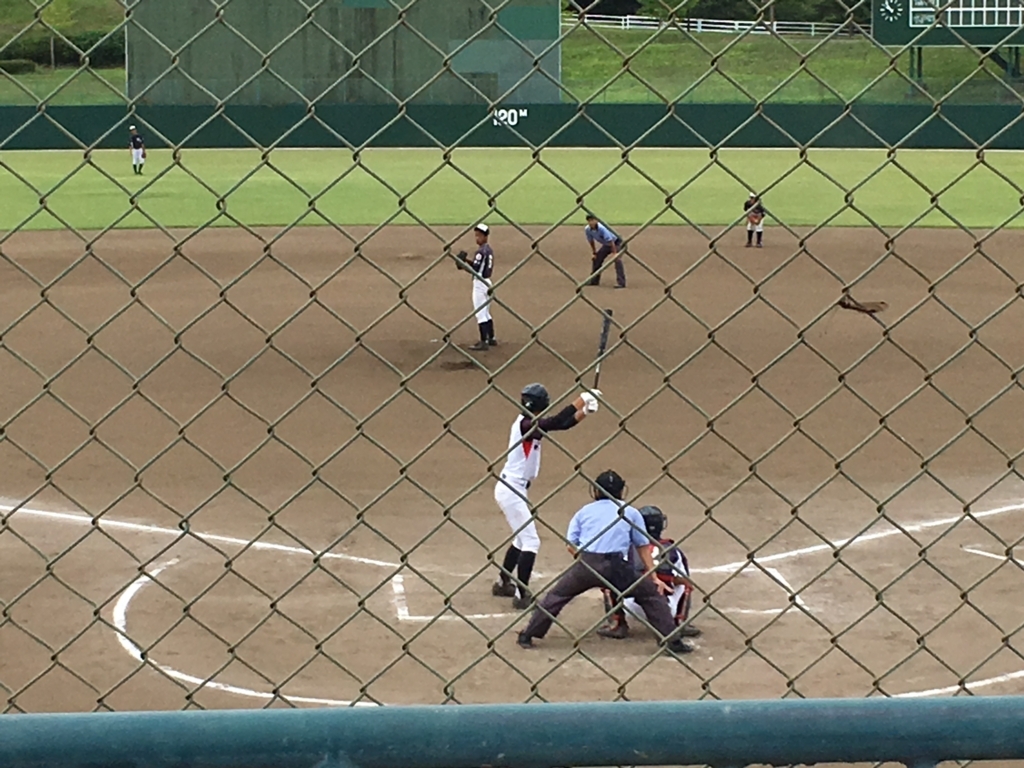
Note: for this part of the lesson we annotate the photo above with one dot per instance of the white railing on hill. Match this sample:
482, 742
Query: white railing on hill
726, 26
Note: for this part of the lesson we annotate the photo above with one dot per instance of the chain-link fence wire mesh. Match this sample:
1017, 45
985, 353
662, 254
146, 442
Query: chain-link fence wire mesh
251, 466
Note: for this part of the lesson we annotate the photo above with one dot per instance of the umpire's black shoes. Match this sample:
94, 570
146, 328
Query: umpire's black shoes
523, 640
678, 647
689, 630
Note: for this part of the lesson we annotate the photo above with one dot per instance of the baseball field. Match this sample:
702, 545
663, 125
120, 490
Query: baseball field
402, 186
289, 452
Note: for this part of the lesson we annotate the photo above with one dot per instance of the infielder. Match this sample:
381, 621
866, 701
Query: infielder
481, 268
671, 568
755, 219
610, 245
138, 148
522, 465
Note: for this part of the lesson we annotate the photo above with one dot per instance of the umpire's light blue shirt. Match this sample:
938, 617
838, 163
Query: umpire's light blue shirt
605, 527
602, 234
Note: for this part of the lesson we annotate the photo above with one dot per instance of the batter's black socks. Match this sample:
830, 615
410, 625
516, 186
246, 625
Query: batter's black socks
509, 565
482, 327
489, 330
526, 560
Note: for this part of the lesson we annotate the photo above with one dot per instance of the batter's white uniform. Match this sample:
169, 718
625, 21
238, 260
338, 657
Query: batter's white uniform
522, 465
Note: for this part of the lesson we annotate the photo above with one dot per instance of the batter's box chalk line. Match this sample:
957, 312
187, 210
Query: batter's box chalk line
123, 602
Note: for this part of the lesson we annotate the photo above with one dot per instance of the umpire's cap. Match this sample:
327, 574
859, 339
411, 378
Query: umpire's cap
611, 483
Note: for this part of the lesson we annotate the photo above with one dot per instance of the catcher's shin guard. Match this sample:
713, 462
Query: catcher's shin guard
616, 616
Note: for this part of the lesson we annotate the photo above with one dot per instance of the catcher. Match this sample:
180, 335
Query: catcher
672, 570
481, 268
755, 219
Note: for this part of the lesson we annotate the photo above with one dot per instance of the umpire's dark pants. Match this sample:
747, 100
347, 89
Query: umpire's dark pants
592, 570
603, 253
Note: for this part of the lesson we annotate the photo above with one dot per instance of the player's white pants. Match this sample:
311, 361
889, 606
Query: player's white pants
673, 603
137, 157
759, 227
481, 301
511, 498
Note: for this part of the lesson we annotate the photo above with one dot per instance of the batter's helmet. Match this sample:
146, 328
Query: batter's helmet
534, 398
654, 521
611, 483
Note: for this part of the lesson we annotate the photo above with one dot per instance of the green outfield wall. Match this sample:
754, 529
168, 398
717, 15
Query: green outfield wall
783, 125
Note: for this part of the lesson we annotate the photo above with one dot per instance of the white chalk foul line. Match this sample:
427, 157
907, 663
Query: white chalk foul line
854, 540
983, 553
103, 522
120, 616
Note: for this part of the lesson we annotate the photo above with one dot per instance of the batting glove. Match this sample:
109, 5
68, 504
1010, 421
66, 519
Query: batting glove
589, 403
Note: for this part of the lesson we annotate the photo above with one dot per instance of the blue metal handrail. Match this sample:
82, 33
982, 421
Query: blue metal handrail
725, 734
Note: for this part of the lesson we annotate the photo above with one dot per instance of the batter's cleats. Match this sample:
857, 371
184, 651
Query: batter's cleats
522, 602
690, 631
615, 632
678, 647
492, 342
503, 590
480, 346
523, 640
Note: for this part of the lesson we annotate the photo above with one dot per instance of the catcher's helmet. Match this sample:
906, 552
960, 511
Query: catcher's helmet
610, 485
654, 521
534, 398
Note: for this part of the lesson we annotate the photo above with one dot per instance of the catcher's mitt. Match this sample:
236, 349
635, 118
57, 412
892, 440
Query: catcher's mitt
867, 307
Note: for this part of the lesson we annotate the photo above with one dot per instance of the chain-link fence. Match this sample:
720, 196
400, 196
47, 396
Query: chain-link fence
249, 457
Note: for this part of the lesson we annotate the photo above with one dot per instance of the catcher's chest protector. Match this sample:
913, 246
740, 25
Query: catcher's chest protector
668, 552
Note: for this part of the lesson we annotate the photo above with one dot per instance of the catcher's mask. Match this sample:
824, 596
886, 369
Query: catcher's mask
654, 521
535, 398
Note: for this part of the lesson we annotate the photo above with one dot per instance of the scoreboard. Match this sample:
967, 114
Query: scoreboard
984, 23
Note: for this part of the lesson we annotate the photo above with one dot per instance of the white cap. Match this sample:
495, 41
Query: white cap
131, 127
752, 194
482, 228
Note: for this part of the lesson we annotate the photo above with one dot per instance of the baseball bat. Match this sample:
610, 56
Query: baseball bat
602, 346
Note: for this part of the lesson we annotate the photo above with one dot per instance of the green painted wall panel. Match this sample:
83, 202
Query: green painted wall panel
734, 125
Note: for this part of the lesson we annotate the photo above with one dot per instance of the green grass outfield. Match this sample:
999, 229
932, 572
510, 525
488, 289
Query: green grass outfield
706, 192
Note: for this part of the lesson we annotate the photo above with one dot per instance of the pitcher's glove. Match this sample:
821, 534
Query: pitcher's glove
462, 260
755, 218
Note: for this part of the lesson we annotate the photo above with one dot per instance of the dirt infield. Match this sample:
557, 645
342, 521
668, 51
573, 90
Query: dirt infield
206, 383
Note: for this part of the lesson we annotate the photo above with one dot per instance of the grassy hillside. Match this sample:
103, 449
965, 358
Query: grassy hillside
708, 68
71, 15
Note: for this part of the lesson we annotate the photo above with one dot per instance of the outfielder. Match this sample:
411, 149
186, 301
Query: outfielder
671, 568
481, 267
138, 148
755, 219
522, 465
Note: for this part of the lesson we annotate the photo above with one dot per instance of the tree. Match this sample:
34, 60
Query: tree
60, 16
666, 9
